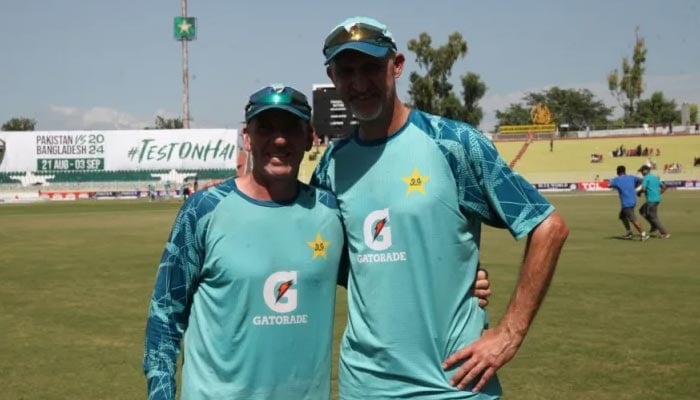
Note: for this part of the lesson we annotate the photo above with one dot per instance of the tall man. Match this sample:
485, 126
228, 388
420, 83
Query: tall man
249, 274
413, 190
652, 187
626, 186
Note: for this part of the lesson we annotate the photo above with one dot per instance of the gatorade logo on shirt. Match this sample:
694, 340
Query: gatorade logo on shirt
376, 231
377, 236
278, 292
280, 295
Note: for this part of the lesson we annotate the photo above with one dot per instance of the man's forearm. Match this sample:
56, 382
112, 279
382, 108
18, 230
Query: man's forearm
542, 251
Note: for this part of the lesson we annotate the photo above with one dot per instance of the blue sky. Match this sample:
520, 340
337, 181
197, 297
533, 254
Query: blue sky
107, 64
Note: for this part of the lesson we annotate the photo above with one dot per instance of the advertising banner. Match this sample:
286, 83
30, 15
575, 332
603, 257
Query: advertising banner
59, 151
556, 187
595, 186
683, 185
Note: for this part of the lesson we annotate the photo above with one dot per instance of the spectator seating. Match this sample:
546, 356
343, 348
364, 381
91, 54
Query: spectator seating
571, 159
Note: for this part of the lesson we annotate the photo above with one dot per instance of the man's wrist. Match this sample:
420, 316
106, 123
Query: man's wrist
515, 332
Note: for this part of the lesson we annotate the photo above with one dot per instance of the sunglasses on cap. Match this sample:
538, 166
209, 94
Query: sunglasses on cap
357, 32
278, 97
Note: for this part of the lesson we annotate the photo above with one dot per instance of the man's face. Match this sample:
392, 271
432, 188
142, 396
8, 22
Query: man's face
367, 85
277, 140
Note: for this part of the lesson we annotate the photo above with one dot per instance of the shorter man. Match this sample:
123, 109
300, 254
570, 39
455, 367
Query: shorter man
247, 280
652, 188
626, 186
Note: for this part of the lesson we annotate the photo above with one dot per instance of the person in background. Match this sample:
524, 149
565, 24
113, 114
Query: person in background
653, 188
626, 186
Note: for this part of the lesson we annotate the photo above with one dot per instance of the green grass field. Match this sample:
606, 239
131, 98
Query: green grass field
621, 321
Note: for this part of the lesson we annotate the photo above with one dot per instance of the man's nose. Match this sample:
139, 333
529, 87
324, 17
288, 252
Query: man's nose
359, 81
279, 137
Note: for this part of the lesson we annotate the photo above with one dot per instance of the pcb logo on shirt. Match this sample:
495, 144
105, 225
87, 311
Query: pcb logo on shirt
280, 295
377, 236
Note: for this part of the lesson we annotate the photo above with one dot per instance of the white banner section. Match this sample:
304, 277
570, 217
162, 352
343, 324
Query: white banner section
55, 151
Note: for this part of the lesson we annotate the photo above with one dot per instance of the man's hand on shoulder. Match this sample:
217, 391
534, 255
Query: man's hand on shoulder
482, 287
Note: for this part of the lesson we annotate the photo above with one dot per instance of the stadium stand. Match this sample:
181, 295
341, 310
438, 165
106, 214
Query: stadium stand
132, 176
5, 178
108, 180
571, 159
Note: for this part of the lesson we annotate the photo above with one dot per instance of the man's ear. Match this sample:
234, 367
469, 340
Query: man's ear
399, 62
246, 138
329, 72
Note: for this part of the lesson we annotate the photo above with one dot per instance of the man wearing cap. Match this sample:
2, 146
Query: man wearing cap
413, 190
626, 186
652, 187
249, 273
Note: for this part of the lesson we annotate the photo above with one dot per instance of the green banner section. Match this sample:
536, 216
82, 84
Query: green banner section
70, 164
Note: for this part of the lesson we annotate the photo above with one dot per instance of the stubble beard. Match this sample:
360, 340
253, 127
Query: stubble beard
368, 116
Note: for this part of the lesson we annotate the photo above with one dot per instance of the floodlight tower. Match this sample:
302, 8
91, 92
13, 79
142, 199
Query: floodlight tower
185, 31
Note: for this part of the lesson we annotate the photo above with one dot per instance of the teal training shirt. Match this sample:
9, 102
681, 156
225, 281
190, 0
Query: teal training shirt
413, 205
652, 187
251, 284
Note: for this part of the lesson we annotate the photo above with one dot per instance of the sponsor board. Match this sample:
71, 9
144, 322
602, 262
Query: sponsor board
93, 151
556, 187
65, 195
685, 184
18, 197
598, 186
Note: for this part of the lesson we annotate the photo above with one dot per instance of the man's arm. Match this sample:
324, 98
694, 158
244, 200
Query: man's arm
497, 346
169, 309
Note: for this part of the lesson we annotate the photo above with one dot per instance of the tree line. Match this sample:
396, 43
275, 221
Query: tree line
28, 124
578, 108
431, 90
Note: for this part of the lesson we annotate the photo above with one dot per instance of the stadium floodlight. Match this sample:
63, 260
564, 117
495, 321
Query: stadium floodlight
185, 30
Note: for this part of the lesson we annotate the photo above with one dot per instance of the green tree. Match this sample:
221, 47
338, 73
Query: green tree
515, 114
629, 84
166, 123
433, 91
19, 124
658, 110
473, 89
694, 114
577, 107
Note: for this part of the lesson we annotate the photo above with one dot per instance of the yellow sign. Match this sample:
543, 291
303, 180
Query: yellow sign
526, 128
540, 114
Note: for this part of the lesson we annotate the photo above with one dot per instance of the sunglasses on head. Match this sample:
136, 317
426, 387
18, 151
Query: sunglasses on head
277, 95
357, 33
